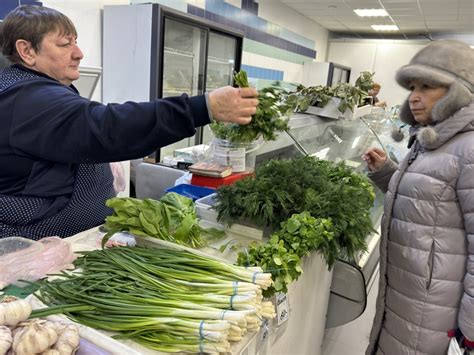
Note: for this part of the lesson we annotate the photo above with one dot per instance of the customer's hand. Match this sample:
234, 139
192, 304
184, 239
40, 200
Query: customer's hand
375, 158
230, 104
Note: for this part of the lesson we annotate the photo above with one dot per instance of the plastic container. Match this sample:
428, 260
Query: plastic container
204, 208
240, 156
191, 191
215, 182
205, 211
331, 110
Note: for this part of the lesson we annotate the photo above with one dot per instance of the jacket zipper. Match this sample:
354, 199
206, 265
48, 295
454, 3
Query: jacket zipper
430, 266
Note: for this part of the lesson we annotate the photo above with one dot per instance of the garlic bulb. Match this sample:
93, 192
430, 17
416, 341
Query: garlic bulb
34, 337
13, 311
5, 339
68, 339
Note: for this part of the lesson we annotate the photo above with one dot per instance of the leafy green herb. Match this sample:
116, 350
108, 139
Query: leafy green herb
300, 235
271, 116
273, 257
172, 218
350, 96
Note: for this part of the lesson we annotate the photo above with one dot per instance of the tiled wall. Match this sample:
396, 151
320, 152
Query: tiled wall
262, 73
7, 5
270, 52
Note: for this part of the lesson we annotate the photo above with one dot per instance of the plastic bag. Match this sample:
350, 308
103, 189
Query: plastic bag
119, 177
24, 259
454, 348
185, 179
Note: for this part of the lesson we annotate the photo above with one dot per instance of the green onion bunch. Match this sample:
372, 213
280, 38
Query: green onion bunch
167, 300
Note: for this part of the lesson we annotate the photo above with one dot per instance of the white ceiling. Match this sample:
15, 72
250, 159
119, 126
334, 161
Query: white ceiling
416, 18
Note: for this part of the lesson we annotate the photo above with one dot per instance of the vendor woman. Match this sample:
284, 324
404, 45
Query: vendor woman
55, 146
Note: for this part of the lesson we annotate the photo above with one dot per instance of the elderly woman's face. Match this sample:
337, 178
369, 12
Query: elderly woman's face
59, 57
422, 100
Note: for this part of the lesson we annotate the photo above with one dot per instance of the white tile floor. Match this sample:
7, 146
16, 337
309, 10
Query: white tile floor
353, 338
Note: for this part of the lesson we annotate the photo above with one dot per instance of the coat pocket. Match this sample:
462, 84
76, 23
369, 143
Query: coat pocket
429, 274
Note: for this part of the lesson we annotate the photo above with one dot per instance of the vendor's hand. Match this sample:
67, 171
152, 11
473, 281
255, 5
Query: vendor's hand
375, 158
235, 105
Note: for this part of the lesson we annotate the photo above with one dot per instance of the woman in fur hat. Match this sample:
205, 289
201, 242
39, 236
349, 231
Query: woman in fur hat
426, 284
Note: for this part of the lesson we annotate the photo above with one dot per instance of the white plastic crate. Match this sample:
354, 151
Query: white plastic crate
331, 110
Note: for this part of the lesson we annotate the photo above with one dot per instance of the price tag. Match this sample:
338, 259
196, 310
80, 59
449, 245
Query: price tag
283, 309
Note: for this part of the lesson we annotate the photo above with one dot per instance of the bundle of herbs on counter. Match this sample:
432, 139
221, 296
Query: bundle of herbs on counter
167, 300
324, 189
172, 218
271, 117
299, 236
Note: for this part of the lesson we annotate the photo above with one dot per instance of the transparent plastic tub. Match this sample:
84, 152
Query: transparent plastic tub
206, 212
241, 156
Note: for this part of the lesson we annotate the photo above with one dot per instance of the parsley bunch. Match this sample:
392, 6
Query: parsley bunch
271, 116
299, 236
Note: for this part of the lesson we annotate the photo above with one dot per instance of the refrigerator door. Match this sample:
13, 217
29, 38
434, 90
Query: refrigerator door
221, 64
336, 76
184, 53
183, 58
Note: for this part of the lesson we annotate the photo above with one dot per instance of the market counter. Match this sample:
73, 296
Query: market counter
301, 313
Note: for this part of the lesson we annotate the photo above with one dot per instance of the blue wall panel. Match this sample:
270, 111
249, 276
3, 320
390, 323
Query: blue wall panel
8, 5
262, 73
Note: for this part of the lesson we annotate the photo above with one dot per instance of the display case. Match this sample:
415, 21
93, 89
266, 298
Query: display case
173, 53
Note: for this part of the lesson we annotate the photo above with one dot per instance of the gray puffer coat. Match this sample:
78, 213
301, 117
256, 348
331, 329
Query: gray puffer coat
427, 248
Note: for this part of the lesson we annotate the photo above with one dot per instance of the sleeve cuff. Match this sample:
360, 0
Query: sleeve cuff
199, 110
206, 96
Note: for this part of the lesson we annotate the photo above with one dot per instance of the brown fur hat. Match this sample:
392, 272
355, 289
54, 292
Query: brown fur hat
448, 63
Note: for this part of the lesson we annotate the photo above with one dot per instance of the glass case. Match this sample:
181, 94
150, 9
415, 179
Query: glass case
337, 140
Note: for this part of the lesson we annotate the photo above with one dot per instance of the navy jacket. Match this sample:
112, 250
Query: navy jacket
47, 129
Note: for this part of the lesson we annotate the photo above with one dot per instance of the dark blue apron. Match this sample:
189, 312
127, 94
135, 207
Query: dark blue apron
86, 209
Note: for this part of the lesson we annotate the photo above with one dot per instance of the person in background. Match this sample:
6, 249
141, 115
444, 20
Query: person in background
373, 96
426, 286
55, 146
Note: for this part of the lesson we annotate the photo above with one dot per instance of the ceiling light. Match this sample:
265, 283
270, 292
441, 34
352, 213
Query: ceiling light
371, 12
385, 27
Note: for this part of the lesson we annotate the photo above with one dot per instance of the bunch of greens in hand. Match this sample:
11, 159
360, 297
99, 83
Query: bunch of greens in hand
271, 116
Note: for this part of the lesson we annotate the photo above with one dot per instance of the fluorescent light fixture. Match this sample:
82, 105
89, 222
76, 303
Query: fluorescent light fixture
371, 12
385, 27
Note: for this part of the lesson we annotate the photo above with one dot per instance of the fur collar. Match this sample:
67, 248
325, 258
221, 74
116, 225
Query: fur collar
433, 136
